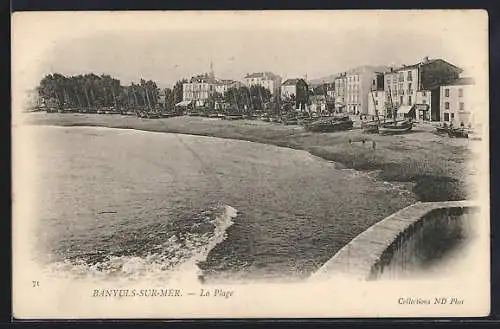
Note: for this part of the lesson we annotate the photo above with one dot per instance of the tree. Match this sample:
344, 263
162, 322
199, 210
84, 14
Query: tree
247, 99
302, 94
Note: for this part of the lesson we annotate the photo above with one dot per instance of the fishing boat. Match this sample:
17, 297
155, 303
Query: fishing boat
395, 127
233, 116
289, 120
373, 125
330, 124
265, 118
442, 129
305, 120
458, 132
370, 126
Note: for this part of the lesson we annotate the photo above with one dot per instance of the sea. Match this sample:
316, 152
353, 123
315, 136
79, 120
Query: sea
122, 203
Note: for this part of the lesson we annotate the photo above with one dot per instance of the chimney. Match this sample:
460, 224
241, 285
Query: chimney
426, 59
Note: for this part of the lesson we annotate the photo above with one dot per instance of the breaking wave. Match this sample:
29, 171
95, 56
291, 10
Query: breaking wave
175, 259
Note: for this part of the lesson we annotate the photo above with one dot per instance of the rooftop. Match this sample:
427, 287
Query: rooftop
201, 78
269, 75
461, 82
225, 81
425, 61
290, 82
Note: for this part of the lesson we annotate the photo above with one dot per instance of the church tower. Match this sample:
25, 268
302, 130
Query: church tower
212, 73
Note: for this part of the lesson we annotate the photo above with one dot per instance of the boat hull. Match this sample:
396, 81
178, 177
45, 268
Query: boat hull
370, 127
393, 131
458, 133
329, 126
441, 130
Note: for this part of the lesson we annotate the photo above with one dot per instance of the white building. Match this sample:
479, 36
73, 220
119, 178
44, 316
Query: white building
352, 88
376, 102
199, 89
221, 86
267, 80
457, 103
289, 88
418, 86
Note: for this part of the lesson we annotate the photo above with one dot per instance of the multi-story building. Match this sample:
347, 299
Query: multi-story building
416, 87
267, 80
199, 89
340, 87
352, 88
376, 101
376, 95
221, 86
289, 88
330, 90
456, 102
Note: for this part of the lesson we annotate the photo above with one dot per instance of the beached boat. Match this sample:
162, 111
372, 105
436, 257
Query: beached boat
289, 120
370, 126
265, 118
458, 132
396, 127
442, 129
305, 120
330, 124
234, 116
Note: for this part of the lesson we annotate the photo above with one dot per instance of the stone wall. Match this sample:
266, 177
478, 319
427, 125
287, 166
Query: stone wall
412, 237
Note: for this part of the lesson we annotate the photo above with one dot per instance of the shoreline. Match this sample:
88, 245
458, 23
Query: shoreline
436, 171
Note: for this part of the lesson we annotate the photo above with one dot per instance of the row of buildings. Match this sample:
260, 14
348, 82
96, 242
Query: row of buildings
432, 89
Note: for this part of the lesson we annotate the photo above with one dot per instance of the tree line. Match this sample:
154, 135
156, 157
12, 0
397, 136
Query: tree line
94, 91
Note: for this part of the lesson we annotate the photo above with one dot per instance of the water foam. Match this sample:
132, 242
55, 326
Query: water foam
178, 262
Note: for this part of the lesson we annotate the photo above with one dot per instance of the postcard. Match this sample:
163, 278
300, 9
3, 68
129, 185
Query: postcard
250, 164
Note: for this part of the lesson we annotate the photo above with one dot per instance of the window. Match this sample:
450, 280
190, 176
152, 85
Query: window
376, 102
424, 101
409, 88
446, 105
446, 92
460, 93
424, 94
409, 76
401, 76
401, 99
452, 116
446, 117
409, 100
461, 106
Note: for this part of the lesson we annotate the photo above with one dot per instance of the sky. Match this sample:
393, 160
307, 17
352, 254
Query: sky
166, 47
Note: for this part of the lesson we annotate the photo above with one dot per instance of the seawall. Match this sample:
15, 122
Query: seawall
418, 234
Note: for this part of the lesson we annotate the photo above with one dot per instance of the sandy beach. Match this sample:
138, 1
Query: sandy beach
434, 167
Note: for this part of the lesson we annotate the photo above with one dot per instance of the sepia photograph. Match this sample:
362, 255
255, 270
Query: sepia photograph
250, 164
